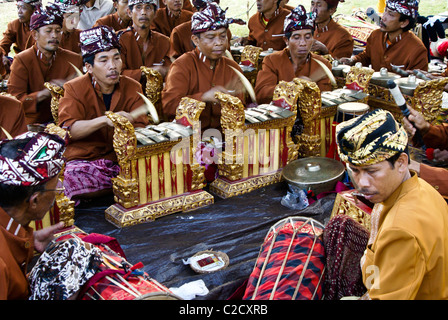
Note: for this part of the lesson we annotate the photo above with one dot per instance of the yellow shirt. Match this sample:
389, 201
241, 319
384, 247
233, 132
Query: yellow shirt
408, 257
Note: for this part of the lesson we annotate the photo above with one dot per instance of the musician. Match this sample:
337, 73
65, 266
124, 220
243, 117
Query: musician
12, 117
394, 42
18, 31
330, 37
93, 10
198, 74
90, 154
185, 6
171, 16
142, 47
118, 20
70, 32
406, 253
266, 26
180, 38
295, 60
44, 62
27, 191
434, 136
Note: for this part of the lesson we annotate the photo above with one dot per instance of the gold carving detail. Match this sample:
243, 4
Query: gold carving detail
56, 93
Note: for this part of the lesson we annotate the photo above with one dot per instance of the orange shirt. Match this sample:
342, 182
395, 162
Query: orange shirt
180, 39
113, 20
191, 75
29, 72
70, 41
133, 56
164, 22
268, 35
407, 51
336, 38
17, 33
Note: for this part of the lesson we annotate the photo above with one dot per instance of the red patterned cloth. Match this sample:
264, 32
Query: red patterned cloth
304, 244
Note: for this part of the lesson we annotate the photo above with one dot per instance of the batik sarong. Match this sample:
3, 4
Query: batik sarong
345, 241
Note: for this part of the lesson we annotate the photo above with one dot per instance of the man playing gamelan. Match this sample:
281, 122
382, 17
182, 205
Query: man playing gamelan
266, 26
90, 154
330, 37
434, 136
406, 254
12, 117
295, 60
394, 42
44, 62
142, 47
200, 73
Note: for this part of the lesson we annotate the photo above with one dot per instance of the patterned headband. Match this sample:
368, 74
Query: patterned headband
40, 160
370, 138
44, 17
298, 19
98, 39
407, 7
212, 17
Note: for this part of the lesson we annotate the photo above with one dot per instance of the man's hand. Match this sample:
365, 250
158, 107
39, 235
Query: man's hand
347, 61
44, 236
209, 96
319, 47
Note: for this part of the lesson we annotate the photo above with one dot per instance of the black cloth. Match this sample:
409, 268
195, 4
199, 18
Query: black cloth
236, 226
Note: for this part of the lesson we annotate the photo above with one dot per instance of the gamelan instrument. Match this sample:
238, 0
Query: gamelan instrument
159, 172
291, 262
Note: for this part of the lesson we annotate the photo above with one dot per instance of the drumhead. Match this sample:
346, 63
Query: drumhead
354, 107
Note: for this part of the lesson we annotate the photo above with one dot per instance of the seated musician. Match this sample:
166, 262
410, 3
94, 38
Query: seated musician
434, 136
171, 16
142, 47
18, 31
394, 42
295, 60
70, 31
266, 26
118, 20
180, 38
403, 259
90, 154
12, 117
330, 37
200, 73
44, 62
28, 186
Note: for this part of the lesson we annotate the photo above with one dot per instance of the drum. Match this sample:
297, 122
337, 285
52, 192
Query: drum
349, 110
118, 279
291, 262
